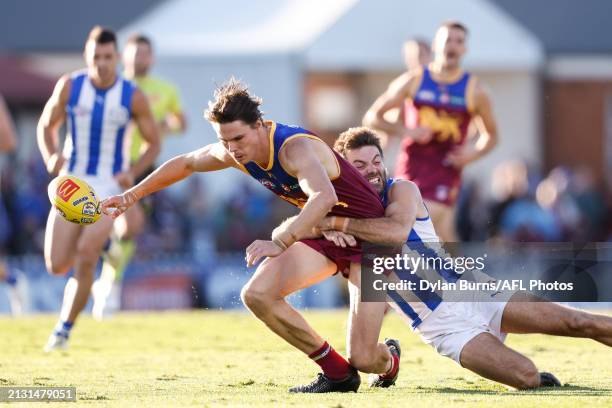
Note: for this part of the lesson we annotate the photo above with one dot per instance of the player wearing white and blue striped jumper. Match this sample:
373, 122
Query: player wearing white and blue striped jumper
97, 105
97, 118
469, 332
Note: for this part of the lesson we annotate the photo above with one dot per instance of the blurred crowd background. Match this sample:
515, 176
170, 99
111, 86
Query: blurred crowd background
320, 64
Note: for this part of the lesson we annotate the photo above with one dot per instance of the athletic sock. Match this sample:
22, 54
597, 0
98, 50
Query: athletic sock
62, 328
333, 364
11, 279
394, 367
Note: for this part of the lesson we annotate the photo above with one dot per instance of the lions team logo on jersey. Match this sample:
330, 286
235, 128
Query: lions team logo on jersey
445, 125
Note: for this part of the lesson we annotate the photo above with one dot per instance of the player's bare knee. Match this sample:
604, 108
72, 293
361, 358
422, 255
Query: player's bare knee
57, 268
87, 254
255, 300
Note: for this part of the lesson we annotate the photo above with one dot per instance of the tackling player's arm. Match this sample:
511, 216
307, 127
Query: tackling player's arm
8, 141
394, 227
47, 131
487, 131
150, 135
209, 158
393, 98
339, 238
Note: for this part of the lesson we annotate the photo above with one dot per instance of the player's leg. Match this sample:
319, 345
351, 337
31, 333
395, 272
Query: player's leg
115, 260
443, 218
488, 357
364, 351
89, 247
61, 239
264, 295
17, 288
525, 313
60, 243
296, 268
131, 223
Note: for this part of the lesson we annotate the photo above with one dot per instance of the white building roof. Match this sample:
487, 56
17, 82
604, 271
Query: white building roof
335, 34
371, 33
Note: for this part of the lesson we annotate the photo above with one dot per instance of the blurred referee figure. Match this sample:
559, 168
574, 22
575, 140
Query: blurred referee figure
8, 143
166, 107
97, 105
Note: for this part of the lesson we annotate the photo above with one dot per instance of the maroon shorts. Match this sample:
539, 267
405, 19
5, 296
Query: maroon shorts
342, 257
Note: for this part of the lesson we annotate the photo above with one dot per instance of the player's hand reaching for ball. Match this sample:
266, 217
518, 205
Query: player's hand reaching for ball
260, 249
116, 205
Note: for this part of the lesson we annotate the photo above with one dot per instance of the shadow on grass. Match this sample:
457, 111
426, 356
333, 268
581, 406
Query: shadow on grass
565, 390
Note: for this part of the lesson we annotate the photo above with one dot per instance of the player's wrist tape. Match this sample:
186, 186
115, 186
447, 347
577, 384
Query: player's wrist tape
339, 223
279, 243
285, 239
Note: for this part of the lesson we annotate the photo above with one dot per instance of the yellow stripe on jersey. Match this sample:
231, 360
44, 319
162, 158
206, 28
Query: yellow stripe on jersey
272, 125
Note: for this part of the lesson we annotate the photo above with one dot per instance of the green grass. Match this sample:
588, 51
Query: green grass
230, 359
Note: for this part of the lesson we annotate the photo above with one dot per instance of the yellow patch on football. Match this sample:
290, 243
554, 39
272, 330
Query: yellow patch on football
74, 199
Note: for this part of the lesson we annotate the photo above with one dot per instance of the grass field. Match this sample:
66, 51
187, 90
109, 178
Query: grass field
230, 359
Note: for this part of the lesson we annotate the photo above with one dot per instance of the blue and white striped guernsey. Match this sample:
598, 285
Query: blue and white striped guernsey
422, 241
96, 122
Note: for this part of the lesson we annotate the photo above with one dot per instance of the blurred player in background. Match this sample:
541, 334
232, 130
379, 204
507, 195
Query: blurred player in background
444, 100
417, 53
8, 143
97, 104
301, 169
165, 104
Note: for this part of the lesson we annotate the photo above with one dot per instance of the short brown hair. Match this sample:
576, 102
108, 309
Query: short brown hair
357, 137
455, 24
102, 35
233, 102
138, 38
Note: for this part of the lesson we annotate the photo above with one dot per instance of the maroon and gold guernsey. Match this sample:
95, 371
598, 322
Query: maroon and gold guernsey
447, 109
356, 197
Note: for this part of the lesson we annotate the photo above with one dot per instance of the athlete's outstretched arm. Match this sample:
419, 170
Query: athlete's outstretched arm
8, 141
54, 114
209, 158
394, 227
487, 131
392, 98
143, 117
